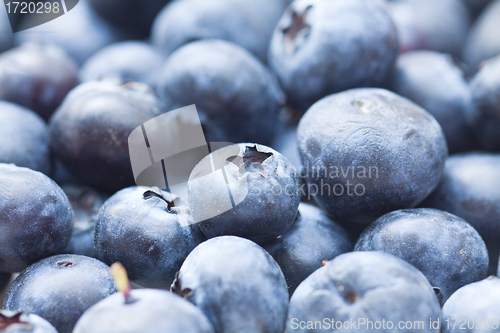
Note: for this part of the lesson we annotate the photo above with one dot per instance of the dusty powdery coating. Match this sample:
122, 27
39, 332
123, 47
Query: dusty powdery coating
434, 82
149, 311
60, 289
444, 247
24, 138
89, 131
237, 97
367, 152
149, 231
37, 76
321, 47
311, 239
476, 300
485, 89
237, 284
36, 218
370, 285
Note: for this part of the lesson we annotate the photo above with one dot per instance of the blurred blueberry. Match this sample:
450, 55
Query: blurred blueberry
450, 252
237, 284
6, 34
368, 286
320, 47
476, 6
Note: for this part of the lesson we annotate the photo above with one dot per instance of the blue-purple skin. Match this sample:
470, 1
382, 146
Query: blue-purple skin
60, 288
483, 41
476, 6
24, 137
133, 16
36, 218
374, 286
444, 247
131, 60
149, 311
149, 231
476, 300
37, 76
426, 24
249, 24
236, 284
7, 36
321, 47
267, 182
80, 32
434, 82
390, 148
485, 88
237, 97
89, 131
4, 280
12, 322
312, 239
86, 203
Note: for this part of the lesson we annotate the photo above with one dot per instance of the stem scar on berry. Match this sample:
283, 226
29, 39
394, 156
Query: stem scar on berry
298, 28
6, 321
177, 289
122, 282
150, 193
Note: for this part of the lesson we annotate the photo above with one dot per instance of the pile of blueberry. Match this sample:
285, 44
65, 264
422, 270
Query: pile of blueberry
365, 181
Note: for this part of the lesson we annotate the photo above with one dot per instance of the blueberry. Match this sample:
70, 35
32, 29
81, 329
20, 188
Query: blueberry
150, 311
312, 239
136, 61
485, 119
24, 138
89, 131
434, 82
247, 23
483, 42
36, 218
149, 231
11, 322
236, 284
364, 288
37, 76
237, 97
86, 203
470, 188
133, 15
479, 300
60, 289
426, 24
321, 47
367, 152
262, 185
450, 253
80, 32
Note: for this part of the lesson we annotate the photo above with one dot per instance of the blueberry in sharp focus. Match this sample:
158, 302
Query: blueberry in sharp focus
237, 97
254, 195
434, 82
249, 24
144, 310
236, 284
485, 119
36, 218
363, 287
321, 47
81, 32
86, 203
24, 138
89, 131
367, 152
60, 288
149, 231
476, 300
444, 247
426, 24
131, 60
483, 42
12, 322
312, 239
37, 76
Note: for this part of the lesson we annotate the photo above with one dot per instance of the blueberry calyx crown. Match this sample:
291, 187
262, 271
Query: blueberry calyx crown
150, 193
298, 27
176, 288
6, 321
